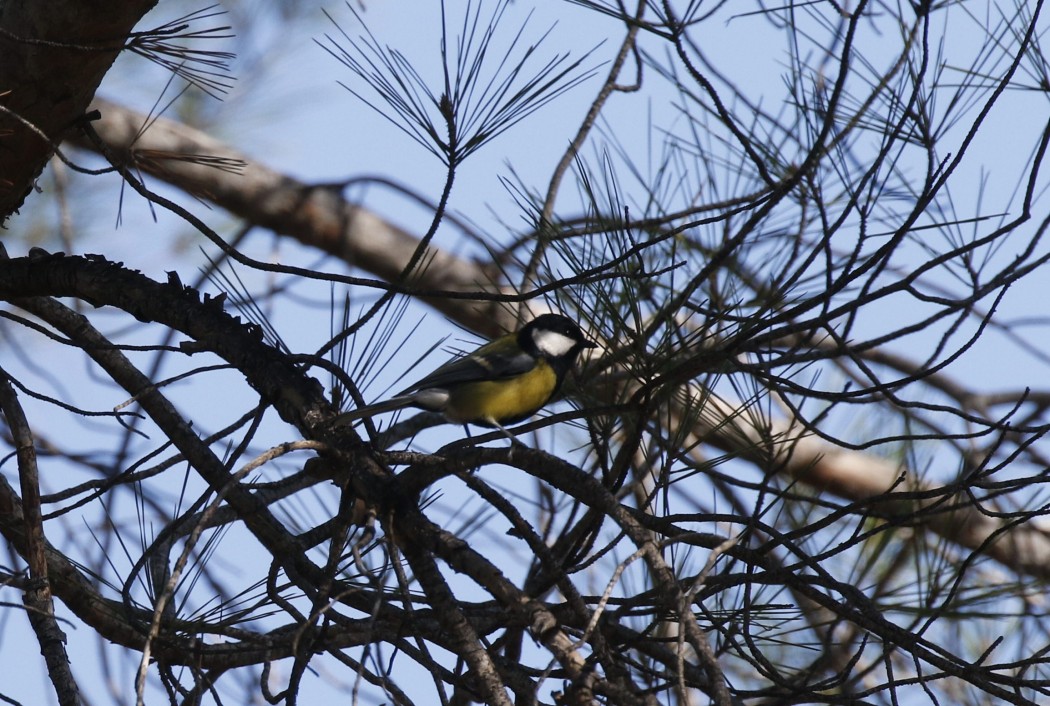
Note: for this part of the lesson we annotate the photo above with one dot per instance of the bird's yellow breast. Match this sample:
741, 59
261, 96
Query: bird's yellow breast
504, 401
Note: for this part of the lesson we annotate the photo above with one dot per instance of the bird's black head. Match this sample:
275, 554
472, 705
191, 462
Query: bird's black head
554, 337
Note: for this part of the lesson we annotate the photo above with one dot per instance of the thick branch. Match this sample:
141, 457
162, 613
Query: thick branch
865, 478
315, 215
54, 55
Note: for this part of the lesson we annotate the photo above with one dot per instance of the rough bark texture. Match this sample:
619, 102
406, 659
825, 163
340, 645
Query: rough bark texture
53, 56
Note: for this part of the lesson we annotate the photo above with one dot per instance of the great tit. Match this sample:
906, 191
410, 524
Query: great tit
503, 382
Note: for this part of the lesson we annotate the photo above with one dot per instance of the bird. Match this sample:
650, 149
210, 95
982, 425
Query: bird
503, 382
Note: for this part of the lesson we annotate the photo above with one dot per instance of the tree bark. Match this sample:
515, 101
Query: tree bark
54, 55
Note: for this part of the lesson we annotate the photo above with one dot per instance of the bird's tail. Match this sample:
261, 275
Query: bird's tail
371, 410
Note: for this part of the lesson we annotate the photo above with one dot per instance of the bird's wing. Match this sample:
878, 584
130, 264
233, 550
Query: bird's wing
499, 359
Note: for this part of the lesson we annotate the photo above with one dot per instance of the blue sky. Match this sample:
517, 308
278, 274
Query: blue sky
290, 113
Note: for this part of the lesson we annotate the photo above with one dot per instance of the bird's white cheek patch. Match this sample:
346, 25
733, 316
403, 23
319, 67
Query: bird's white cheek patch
552, 343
